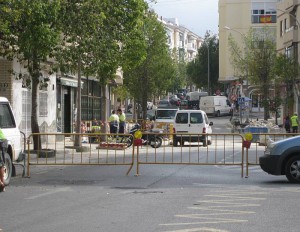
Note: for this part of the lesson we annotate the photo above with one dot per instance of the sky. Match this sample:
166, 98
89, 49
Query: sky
198, 16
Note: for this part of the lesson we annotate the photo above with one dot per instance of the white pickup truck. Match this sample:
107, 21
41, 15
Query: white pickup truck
13, 148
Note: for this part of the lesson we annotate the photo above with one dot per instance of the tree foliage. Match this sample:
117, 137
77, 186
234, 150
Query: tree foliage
208, 55
154, 75
90, 37
29, 34
287, 69
257, 63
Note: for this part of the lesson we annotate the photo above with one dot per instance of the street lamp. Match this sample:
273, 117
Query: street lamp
208, 70
247, 68
243, 35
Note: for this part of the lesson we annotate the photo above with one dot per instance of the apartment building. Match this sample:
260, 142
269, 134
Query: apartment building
235, 19
288, 38
184, 41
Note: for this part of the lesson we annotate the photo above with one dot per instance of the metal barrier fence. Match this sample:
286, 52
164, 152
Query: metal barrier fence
95, 149
107, 149
225, 149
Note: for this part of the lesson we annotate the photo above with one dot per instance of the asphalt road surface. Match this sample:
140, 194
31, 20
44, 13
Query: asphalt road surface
178, 198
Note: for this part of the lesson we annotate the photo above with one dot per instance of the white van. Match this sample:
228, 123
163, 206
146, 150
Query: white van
195, 96
13, 148
215, 105
190, 126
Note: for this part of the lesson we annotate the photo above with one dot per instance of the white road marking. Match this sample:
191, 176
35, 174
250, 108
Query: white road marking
213, 221
202, 229
212, 208
235, 197
220, 206
49, 193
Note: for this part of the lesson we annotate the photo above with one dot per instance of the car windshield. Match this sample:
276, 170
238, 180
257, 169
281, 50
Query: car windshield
163, 103
164, 114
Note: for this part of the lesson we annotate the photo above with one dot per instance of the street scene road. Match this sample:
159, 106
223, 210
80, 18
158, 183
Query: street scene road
163, 198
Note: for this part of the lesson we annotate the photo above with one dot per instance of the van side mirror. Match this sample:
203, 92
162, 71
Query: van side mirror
211, 123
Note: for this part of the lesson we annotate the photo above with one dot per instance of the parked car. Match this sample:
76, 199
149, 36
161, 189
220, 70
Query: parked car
174, 100
283, 158
191, 126
180, 96
163, 103
184, 105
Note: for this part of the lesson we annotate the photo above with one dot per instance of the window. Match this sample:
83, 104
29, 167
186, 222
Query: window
196, 118
6, 117
263, 12
43, 104
91, 100
182, 118
281, 28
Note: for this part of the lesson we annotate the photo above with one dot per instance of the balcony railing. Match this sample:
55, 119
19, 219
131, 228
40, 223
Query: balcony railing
291, 35
191, 47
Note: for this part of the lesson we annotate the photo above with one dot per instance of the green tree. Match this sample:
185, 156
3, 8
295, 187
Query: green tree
97, 36
287, 69
208, 56
29, 34
257, 65
154, 75
180, 79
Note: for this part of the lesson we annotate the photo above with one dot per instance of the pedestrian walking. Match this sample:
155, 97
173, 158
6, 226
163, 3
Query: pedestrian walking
295, 122
122, 120
113, 121
287, 124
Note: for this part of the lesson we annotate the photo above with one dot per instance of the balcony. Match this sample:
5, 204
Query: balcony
191, 47
290, 36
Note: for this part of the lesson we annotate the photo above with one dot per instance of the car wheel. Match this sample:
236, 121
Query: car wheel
156, 142
7, 168
292, 169
209, 142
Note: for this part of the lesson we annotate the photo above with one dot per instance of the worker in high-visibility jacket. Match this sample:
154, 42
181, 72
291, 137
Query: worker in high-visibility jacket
2, 160
113, 121
122, 124
295, 122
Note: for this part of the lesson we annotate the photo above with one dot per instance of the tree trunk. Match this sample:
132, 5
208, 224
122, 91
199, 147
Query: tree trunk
34, 112
103, 112
77, 142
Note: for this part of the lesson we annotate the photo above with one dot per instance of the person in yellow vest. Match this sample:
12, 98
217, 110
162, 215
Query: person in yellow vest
122, 124
295, 122
2, 161
113, 121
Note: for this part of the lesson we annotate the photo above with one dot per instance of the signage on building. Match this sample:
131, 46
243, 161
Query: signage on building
70, 82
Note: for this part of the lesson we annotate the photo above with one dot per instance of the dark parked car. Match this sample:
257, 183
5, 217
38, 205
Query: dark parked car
283, 158
163, 104
174, 100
